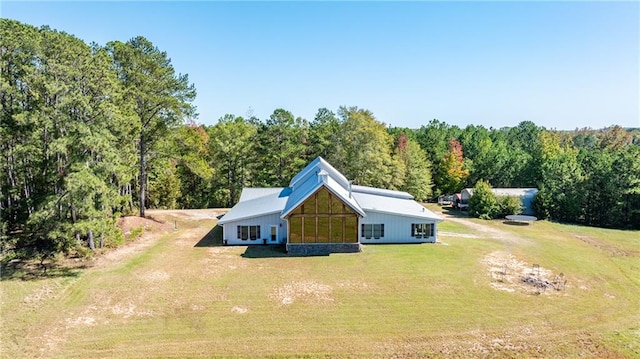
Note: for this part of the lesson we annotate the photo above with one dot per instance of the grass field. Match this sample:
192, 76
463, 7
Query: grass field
177, 293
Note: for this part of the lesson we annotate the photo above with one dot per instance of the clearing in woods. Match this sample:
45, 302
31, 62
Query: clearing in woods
175, 292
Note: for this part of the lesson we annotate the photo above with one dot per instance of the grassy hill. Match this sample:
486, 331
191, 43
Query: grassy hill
177, 293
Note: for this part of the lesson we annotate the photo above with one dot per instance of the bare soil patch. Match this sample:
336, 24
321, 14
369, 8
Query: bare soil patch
512, 275
239, 309
153, 229
150, 223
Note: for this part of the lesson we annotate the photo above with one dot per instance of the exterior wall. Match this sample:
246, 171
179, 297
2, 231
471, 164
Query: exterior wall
230, 232
527, 204
322, 218
464, 199
465, 196
397, 229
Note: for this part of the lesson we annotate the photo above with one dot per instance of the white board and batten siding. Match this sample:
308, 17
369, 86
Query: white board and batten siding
230, 230
397, 228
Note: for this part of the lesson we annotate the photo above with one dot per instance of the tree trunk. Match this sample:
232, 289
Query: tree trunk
92, 244
101, 240
143, 173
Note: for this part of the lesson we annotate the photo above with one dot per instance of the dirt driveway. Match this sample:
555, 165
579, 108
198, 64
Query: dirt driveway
484, 230
156, 223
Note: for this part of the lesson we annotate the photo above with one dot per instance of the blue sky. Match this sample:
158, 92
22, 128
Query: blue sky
561, 65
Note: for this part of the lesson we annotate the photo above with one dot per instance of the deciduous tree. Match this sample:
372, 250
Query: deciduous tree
364, 152
453, 172
417, 178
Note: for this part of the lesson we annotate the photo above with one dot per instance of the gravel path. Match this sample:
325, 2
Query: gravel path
485, 231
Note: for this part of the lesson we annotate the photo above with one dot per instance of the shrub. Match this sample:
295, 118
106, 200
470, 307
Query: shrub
135, 233
483, 204
509, 205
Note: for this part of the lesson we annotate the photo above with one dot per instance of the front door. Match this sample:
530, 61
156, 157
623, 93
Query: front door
274, 233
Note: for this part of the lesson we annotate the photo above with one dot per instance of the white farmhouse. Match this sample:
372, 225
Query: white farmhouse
322, 212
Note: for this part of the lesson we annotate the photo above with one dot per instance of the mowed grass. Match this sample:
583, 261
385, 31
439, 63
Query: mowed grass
186, 296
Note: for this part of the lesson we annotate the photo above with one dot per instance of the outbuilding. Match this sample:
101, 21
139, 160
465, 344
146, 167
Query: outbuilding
526, 195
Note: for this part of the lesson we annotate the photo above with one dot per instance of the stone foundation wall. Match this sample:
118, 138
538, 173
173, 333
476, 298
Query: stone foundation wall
321, 249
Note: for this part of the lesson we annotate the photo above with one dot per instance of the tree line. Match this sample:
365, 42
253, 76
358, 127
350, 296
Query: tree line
90, 133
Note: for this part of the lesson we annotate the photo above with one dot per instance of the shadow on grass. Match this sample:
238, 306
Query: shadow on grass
268, 251
29, 269
453, 212
211, 239
516, 223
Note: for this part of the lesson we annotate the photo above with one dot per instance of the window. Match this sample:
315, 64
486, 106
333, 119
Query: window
248, 232
422, 230
372, 231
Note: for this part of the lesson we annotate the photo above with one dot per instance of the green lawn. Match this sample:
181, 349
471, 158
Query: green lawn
187, 297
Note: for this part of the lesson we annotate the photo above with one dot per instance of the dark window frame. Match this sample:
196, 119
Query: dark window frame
422, 230
246, 232
369, 230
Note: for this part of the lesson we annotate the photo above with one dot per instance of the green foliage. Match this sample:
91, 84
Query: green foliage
417, 169
135, 233
159, 98
561, 196
232, 147
508, 205
64, 140
281, 148
364, 150
164, 184
324, 132
483, 204
452, 170
71, 113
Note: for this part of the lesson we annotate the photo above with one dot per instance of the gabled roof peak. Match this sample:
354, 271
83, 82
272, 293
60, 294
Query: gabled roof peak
315, 168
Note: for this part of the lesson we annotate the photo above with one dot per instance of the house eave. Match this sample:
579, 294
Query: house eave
435, 219
223, 222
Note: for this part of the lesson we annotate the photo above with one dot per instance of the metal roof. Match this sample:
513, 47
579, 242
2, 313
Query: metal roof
381, 192
394, 205
255, 202
303, 190
512, 192
252, 193
315, 166
268, 203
